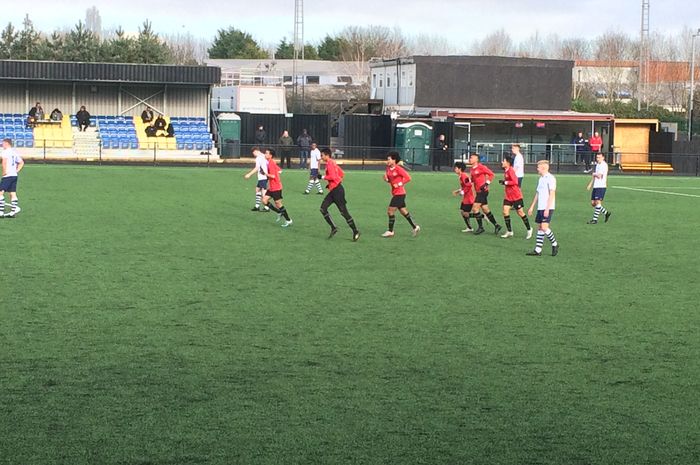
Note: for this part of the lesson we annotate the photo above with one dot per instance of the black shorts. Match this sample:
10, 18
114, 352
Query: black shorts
517, 204
540, 218
8, 184
466, 207
336, 196
482, 198
398, 201
275, 195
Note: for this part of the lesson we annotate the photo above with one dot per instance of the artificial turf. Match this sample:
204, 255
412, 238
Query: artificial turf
148, 317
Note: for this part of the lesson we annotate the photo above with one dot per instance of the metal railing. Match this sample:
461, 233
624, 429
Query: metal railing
362, 157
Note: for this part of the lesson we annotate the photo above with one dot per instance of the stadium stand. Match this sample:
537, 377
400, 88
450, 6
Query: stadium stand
117, 132
14, 126
53, 135
192, 133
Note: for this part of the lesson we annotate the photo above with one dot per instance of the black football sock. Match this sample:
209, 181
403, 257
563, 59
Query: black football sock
526, 222
466, 221
506, 218
392, 220
272, 207
283, 212
491, 218
409, 218
329, 220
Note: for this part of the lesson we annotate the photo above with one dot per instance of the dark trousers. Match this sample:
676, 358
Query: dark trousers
286, 155
437, 160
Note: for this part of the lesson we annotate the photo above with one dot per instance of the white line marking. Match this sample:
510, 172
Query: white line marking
661, 187
657, 192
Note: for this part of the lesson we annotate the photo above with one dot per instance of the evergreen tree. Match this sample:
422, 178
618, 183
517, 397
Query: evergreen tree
27, 43
8, 38
331, 48
285, 50
232, 43
150, 48
81, 45
120, 49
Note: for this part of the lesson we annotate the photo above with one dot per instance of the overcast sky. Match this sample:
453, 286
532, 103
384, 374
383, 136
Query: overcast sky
460, 21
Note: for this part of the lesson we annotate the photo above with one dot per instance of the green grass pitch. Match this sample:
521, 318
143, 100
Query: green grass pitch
148, 317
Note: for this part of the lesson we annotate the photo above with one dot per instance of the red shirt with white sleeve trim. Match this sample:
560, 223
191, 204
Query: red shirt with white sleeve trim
467, 188
480, 173
596, 143
513, 191
273, 175
334, 175
398, 178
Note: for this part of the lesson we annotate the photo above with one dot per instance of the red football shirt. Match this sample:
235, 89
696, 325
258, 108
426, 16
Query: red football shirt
273, 174
513, 191
334, 175
596, 143
480, 173
397, 178
466, 186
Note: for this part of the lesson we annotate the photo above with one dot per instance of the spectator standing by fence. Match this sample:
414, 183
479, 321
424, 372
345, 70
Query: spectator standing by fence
260, 136
439, 152
581, 145
596, 145
286, 144
304, 142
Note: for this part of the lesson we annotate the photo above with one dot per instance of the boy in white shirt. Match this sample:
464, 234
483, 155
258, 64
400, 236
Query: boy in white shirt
546, 202
261, 186
599, 183
12, 164
314, 163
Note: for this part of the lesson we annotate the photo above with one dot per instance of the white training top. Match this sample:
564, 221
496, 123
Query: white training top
315, 159
12, 160
601, 168
544, 185
261, 167
519, 165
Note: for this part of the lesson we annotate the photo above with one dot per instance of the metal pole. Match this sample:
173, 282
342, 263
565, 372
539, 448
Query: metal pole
692, 85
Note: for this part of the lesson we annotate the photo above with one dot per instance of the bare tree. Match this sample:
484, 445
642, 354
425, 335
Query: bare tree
497, 43
430, 44
362, 43
613, 49
573, 49
186, 49
533, 47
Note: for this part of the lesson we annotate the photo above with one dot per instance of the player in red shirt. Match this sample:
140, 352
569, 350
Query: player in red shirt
336, 195
513, 198
466, 190
274, 190
481, 177
397, 177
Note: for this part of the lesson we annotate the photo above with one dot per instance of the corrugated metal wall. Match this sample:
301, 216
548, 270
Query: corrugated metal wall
110, 72
103, 99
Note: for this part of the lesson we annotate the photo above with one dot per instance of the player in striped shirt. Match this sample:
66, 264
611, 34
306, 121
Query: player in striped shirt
599, 183
261, 171
397, 177
274, 190
466, 190
12, 164
513, 198
481, 177
336, 195
546, 202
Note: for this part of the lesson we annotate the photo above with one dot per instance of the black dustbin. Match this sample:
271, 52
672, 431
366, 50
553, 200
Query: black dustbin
231, 149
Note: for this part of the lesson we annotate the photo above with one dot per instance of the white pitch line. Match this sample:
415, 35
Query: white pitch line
657, 192
661, 187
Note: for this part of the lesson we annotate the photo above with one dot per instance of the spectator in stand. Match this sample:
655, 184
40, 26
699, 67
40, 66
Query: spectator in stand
596, 144
147, 115
56, 115
260, 136
36, 113
159, 124
286, 144
170, 130
150, 131
83, 118
439, 152
304, 142
581, 145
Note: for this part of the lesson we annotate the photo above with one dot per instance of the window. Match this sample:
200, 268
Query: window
396, 81
374, 80
410, 79
313, 80
403, 78
381, 80
345, 79
287, 79
388, 80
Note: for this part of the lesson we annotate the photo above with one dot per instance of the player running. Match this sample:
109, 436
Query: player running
12, 164
397, 177
336, 195
275, 189
261, 186
466, 190
545, 200
599, 183
481, 177
513, 198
